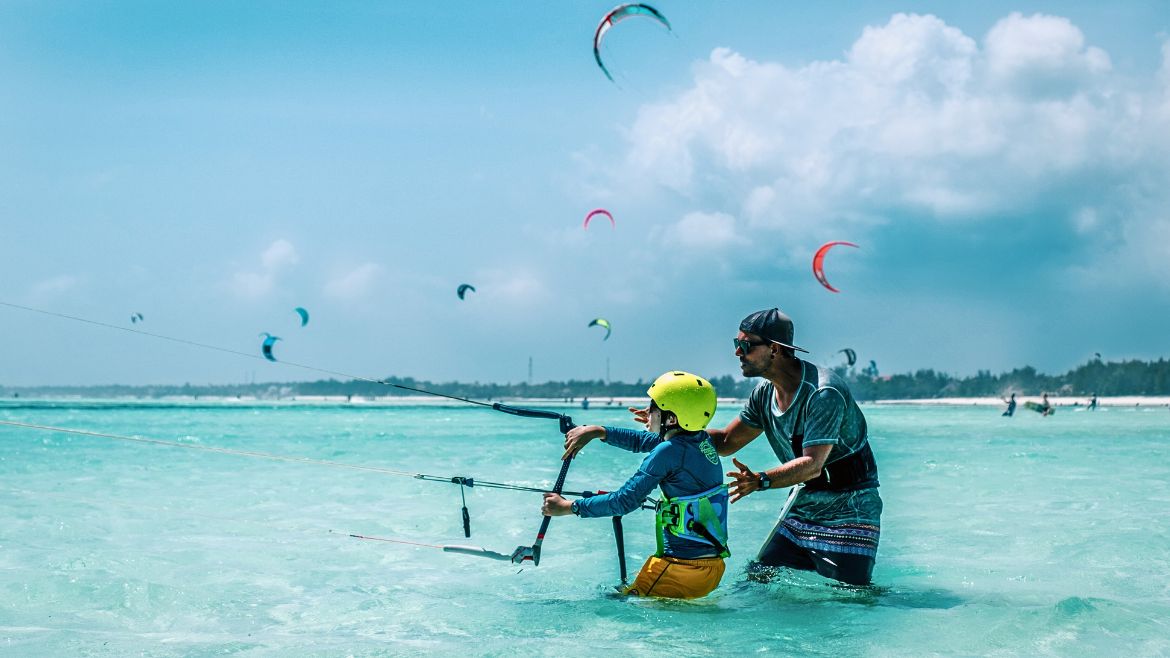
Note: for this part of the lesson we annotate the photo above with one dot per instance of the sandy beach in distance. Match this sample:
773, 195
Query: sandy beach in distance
1056, 401
620, 402
595, 402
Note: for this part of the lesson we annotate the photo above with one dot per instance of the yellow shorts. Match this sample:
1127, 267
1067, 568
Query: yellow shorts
676, 578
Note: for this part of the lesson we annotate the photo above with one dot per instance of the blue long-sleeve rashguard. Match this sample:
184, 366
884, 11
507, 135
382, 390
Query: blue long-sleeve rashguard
685, 465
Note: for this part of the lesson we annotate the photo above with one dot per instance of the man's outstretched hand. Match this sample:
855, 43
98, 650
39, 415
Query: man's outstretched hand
746, 480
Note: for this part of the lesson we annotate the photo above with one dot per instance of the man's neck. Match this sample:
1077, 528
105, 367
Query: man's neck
786, 376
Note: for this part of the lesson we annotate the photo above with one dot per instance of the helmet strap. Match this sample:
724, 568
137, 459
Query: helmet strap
666, 431
663, 429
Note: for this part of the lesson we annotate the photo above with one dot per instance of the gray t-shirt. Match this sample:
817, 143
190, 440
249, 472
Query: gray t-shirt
825, 411
823, 408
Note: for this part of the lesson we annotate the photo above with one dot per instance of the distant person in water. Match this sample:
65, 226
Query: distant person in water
1093, 403
1045, 406
1011, 406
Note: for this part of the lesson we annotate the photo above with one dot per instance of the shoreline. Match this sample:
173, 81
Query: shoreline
567, 403
1055, 401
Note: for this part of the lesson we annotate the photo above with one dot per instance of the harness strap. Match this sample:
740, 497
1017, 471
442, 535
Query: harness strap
706, 534
694, 518
857, 471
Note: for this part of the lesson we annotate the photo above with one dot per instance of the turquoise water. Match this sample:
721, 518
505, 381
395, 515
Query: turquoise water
1025, 536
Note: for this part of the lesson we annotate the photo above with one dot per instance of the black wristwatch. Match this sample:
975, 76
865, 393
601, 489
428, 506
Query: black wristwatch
576, 510
765, 482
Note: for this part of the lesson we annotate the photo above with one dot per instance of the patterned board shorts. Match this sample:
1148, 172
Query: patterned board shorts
844, 552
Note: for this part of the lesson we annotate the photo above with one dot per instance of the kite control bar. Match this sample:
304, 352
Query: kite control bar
532, 552
523, 552
566, 422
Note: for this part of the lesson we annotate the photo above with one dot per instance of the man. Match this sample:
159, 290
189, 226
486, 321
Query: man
691, 520
819, 435
1011, 406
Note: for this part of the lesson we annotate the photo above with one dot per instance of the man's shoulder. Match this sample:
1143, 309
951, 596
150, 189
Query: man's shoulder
827, 378
829, 391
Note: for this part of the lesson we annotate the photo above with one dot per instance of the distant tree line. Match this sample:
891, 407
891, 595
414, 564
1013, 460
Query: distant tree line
1094, 377
1120, 378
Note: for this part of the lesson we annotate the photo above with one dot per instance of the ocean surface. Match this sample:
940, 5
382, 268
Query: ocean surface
1022, 536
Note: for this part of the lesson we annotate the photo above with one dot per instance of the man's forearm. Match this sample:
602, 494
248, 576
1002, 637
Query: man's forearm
798, 470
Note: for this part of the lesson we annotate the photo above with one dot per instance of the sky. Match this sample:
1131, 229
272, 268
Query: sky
1003, 167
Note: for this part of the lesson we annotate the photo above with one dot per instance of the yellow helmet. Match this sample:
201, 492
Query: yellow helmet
689, 397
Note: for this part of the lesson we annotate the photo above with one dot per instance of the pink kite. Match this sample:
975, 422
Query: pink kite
818, 263
599, 211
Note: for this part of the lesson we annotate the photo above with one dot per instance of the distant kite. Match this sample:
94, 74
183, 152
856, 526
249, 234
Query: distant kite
602, 322
135, 318
266, 346
304, 315
615, 16
850, 355
596, 212
463, 288
1098, 355
818, 264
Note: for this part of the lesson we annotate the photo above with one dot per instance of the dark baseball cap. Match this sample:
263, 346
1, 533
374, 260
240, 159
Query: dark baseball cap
772, 325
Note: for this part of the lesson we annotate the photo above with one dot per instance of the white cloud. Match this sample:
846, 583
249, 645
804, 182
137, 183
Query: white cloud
1143, 256
1041, 55
703, 231
279, 254
1164, 76
54, 286
278, 257
252, 284
920, 53
354, 284
1153, 251
1086, 220
516, 286
917, 122
759, 200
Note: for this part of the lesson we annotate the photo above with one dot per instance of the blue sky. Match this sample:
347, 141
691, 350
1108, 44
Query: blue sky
1004, 167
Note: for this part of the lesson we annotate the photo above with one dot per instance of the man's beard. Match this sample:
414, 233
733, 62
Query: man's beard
750, 370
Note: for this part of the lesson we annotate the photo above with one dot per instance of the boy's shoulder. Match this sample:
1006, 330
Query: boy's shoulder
699, 441
668, 446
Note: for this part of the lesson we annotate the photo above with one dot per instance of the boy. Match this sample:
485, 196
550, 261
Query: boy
691, 520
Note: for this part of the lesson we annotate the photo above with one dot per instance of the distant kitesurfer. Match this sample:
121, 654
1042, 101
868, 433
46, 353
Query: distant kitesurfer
691, 520
819, 435
1011, 405
1045, 406
1093, 403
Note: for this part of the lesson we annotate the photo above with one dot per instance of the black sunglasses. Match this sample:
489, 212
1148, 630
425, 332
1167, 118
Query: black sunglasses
745, 346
